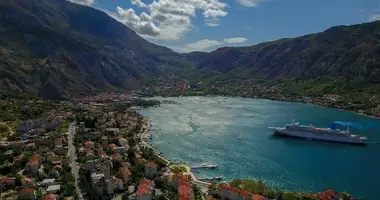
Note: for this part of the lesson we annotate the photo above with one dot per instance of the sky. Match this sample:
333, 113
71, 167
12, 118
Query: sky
205, 25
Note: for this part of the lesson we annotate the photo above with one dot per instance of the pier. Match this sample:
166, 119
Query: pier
203, 166
217, 178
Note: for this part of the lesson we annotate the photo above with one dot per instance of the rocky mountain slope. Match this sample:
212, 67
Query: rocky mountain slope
57, 49
345, 52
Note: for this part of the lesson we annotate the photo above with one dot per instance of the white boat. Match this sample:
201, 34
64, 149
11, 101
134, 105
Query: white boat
321, 134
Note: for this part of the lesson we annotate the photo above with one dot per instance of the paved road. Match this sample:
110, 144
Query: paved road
72, 155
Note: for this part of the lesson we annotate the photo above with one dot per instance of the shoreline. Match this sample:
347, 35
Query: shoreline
280, 100
202, 184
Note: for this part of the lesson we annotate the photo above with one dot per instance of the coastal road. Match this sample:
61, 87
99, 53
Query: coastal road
72, 156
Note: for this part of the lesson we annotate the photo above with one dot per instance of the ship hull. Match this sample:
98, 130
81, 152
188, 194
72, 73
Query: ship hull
318, 137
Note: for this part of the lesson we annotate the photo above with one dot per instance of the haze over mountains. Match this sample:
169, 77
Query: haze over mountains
57, 49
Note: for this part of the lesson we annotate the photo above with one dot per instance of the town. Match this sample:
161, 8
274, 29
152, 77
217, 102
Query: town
95, 148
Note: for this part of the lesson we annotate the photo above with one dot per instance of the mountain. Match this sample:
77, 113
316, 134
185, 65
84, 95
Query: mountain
57, 49
344, 52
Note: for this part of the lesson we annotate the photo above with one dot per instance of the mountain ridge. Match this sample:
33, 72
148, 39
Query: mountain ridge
56, 49
268, 59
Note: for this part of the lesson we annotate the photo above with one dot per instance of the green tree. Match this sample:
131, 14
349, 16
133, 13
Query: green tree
125, 196
345, 196
39, 194
132, 142
236, 183
131, 155
161, 197
289, 196
18, 180
213, 188
47, 167
159, 183
260, 187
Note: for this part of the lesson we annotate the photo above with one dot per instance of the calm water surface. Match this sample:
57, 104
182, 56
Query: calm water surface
206, 130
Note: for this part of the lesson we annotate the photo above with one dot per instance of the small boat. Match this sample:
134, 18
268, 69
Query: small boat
239, 137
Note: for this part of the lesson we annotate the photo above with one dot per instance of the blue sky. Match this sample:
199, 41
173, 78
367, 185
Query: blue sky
204, 25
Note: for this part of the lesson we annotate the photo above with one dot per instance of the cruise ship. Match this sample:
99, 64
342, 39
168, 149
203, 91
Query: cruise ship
310, 132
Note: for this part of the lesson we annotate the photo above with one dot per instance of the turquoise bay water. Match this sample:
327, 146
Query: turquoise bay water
206, 130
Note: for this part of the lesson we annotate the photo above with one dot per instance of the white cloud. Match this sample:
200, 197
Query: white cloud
235, 40
375, 17
202, 45
211, 24
250, 3
139, 3
207, 45
83, 2
169, 19
214, 13
141, 24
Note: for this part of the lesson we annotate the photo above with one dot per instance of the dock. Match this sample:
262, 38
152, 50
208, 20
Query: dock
204, 166
217, 178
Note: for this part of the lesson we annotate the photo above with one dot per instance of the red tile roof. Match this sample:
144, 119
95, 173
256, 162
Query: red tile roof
89, 143
49, 197
137, 155
145, 187
30, 145
327, 195
7, 180
242, 193
332, 193
151, 164
32, 163
27, 191
125, 172
36, 157
116, 156
18, 158
116, 180
234, 190
184, 189
258, 197
26, 179
245, 194
224, 186
111, 146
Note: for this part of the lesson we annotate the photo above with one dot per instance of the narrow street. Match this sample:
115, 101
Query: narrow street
72, 155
